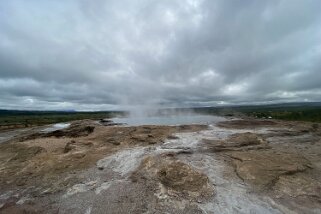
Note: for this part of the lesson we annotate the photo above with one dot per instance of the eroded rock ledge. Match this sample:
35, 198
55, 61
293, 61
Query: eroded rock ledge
288, 172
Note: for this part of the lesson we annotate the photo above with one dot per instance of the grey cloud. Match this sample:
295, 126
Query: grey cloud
113, 54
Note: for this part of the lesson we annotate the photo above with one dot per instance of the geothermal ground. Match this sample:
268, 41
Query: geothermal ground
233, 166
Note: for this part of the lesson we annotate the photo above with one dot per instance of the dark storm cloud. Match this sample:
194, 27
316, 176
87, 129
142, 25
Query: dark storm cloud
99, 54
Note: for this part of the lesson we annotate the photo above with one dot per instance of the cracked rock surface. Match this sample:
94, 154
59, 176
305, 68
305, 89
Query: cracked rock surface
235, 166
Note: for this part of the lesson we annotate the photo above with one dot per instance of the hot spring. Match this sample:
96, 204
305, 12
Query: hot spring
168, 120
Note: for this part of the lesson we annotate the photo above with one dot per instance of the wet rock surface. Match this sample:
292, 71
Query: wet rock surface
237, 166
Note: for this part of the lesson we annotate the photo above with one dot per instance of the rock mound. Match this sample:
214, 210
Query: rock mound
244, 124
79, 146
181, 177
264, 168
173, 178
73, 131
236, 142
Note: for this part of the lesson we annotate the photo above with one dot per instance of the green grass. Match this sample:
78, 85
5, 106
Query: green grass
298, 114
292, 113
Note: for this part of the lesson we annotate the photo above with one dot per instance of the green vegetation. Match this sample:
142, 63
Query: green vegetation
300, 114
293, 112
18, 119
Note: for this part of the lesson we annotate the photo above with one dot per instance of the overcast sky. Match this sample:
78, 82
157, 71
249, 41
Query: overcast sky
112, 54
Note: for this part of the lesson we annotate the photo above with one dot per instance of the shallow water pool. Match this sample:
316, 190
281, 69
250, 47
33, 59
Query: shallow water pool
169, 120
56, 127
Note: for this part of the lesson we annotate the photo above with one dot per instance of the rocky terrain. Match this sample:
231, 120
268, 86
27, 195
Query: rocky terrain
234, 166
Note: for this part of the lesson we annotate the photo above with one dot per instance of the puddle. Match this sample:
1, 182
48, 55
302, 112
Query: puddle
56, 127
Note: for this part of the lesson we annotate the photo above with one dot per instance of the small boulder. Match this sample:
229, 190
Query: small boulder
69, 146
